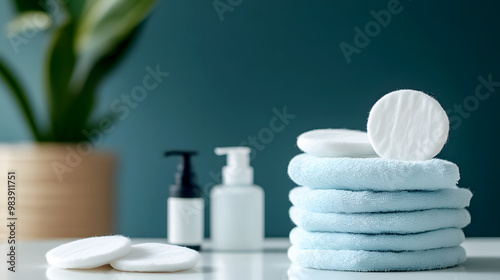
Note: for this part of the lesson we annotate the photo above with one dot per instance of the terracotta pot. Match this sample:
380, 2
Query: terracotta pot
62, 190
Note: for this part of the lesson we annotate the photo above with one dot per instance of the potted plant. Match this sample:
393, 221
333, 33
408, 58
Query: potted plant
64, 184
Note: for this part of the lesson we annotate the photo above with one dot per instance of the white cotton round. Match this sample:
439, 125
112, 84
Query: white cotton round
89, 252
157, 257
407, 125
335, 143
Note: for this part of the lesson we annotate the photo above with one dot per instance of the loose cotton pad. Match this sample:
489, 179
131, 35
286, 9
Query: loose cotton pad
351, 260
376, 174
441, 238
332, 200
89, 252
157, 257
374, 223
335, 143
407, 125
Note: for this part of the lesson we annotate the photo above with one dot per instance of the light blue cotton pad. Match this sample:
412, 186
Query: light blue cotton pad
440, 238
351, 260
332, 200
376, 174
373, 223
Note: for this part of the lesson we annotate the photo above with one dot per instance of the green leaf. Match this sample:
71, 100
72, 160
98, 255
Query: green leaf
20, 96
82, 105
29, 5
74, 8
97, 125
32, 21
104, 24
60, 65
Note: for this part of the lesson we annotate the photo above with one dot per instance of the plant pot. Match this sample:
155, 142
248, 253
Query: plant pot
61, 190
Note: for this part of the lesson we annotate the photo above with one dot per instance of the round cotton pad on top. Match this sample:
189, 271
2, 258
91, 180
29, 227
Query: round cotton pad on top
89, 252
407, 125
335, 143
157, 257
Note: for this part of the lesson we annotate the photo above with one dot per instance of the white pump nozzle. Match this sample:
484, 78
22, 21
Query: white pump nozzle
238, 170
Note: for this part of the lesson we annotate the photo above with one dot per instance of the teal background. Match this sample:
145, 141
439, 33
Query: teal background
227, 76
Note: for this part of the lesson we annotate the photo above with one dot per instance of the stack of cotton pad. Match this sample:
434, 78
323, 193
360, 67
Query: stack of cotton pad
117, 251
356, 211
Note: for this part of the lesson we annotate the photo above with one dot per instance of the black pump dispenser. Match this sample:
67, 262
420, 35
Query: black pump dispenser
185, 180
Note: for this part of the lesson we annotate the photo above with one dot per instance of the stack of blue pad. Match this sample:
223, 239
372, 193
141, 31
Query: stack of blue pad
374, 214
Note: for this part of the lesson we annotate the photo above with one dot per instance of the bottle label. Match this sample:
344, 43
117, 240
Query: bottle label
185, 220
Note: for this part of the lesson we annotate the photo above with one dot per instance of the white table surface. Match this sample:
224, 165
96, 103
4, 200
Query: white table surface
483, 262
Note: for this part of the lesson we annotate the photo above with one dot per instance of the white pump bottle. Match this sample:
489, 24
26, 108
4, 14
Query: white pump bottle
237, 206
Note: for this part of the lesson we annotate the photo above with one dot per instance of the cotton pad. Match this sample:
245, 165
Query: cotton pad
343, 201
157, 257
407, 125
376, 174
89, 252
297, 272
335, 143
352, 260
441, 238
375, 223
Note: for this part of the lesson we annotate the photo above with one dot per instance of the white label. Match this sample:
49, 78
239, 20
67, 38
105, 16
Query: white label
185, 220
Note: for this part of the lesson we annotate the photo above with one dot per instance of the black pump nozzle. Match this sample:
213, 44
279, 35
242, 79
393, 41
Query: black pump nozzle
185, 179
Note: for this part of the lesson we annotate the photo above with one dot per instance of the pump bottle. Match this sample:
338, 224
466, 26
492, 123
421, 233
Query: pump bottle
185, 205
237, 206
